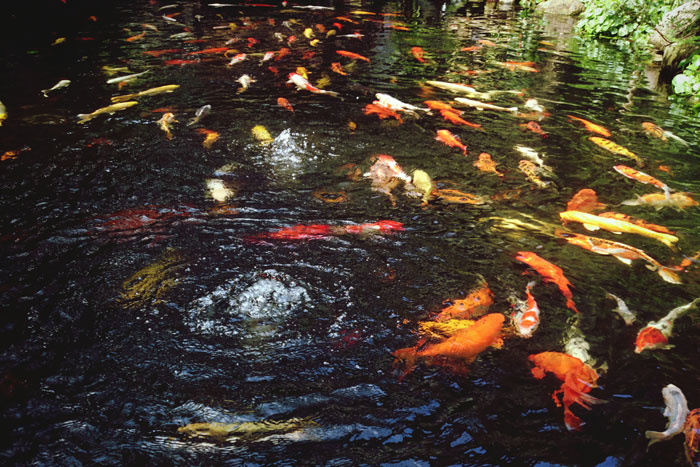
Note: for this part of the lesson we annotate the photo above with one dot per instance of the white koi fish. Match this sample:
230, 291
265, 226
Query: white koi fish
622, 309
61, 84
676, 411
484, 106
385, 100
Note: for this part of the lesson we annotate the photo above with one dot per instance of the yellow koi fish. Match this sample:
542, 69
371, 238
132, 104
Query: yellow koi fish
165, 121
147, 92
616, 149
593, 222
110, 109
3, 113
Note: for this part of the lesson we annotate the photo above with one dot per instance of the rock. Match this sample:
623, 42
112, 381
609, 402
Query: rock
677, 24
561, 7
674, 53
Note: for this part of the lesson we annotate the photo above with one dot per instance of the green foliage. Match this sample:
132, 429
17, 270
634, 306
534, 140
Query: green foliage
629, 20
688, 82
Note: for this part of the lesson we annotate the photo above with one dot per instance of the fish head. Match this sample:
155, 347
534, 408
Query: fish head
650, 338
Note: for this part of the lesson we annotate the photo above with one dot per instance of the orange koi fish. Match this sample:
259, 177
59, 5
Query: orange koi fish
210, 137
473, 305
486, 164
444, 136
214, 50
321, 231
656, 333
453, 117
616, 149
282, 102
252, 41
527, 318
158, 53
439, 105
691, 430
281, 53
449, 195
320, 28
577, 381
624, 253
519, 66
381, 112
585, 200
658, 132
488, 43
473, 48
351, 55
640, 222
590, 126
180, 62
418, 54
136, 37
534, 127
662, 200
641, 177
550, 273
346, 19
456, 352
593, 222
338, 68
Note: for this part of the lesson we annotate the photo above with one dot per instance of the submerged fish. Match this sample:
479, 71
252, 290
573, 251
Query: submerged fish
658, 132
147, 92
125, 78
550, 273
245, 81
251, 431
484, 106
676, 411
352, 55
321, 231
453, 117
592, 127
110, 109
303, 84
381, 112
527, 318
616, 149
475, 304
260, 133
486, 164
61, 84
148, 285
655, 334
663, 200
201, 112
622, 310
446, 137
585, 200
691, 430
423, 184
385, 100
641, 177
531, 171
593, 222
165, 121
3, 113
418, 53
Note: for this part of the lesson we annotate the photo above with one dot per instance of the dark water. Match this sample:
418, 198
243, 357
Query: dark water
133, 303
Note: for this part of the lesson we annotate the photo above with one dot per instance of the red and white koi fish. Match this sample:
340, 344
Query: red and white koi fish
550, 273
676, 411
656, 333
238, 58
321, 231
527, 318
302, 83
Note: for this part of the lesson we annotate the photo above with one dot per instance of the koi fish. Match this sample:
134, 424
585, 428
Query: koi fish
475, 304
519, 66
527, 318
458, 88
455, 352
61, 84
338, 68
268, 56
616, 149
201, 112
110, 109
549, 273
303, 84
245, 81
446, 137
320, 231
624, 253
282, 102
577, 381
148, 92
662, 200
592, 127
641, 177
487, 42
3, 113
691, 430
381, 112
656, 333
439, 105
158, 53
472, 48
180, 62
214, 50
119, 79
622, 310
418, 54
385, 100
454, 118
281, 53
238, 58
484, 106
531, 171
210, 137
486, 164
676, 411
639, 222
136, 37
165, 121
352, 55
534, 127
423, 185
449, 195
658, 132
261, 134
593, 222
585, 200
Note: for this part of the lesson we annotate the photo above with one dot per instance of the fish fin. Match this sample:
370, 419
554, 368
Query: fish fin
626, 261
669, 275
591, 227
84, 118
572, 422
571, 305
655, 437
45, 92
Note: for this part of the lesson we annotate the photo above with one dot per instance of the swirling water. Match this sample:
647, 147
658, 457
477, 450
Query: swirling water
134, 304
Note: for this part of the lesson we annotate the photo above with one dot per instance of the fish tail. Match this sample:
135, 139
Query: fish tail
330, 93
571, 305
572, 422
669, 275
84, 118
655, 437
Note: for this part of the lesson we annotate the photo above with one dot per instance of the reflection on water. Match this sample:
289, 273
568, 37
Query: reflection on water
141, 324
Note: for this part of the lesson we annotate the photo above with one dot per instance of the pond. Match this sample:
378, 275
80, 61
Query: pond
258, 268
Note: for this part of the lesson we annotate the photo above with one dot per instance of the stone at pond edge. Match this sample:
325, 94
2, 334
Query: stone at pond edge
674, 53
676, 24
561, 7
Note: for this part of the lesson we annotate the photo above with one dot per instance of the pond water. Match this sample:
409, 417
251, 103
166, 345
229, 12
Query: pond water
144, 290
